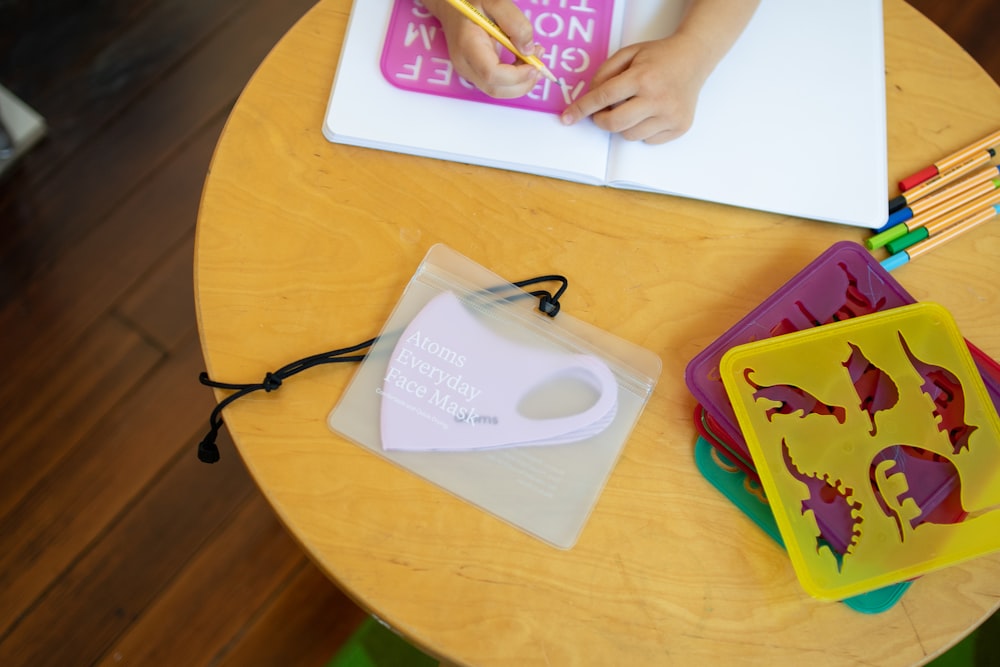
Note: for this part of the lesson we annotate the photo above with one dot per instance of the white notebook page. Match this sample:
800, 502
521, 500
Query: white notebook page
792, 120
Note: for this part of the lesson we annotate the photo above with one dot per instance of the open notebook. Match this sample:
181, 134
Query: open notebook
792, 121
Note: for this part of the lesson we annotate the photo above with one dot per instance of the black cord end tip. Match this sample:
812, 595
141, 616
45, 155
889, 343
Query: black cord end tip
208, 451
548, 305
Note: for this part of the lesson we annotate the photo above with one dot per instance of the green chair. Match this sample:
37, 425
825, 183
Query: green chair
375, 645
980, 649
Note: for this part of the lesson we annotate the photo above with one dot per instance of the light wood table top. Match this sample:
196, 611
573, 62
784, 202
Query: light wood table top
304, 246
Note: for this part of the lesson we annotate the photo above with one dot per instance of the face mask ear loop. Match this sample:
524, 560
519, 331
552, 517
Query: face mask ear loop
208, 450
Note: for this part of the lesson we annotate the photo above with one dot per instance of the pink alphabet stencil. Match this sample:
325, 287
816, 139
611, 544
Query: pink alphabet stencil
574, 33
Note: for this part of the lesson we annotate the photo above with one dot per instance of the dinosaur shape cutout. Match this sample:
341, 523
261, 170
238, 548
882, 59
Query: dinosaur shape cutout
836, 512
792, 399
915, 486
856, 302
944, 389
876, 390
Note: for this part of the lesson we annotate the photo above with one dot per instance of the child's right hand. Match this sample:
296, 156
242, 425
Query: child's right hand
476, 55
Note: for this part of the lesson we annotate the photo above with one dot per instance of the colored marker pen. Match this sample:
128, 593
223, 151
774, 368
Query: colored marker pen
927, 187
947, 213
930, 201
950, 162
923, 247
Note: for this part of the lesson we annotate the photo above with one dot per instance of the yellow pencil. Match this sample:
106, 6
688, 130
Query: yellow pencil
496, 33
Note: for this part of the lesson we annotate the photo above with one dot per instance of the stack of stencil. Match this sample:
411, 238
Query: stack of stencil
845, 282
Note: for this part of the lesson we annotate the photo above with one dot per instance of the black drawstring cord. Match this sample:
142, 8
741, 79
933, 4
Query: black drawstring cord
547, 303
208, 450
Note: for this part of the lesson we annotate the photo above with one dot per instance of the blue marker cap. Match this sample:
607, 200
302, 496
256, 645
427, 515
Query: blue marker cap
888, 225
893, 262
902, 215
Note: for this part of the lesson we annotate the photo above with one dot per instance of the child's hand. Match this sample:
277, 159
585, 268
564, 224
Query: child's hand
646, 92
476, 55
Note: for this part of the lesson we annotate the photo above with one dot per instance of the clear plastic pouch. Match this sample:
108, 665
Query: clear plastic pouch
471, 387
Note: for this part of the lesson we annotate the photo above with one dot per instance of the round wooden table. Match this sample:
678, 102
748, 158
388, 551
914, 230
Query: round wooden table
305, 246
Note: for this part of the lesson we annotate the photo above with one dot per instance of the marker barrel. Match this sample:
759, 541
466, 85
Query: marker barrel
937, 240
954, 190
954, 217
968, 152
956, 159
944, 215
933, 185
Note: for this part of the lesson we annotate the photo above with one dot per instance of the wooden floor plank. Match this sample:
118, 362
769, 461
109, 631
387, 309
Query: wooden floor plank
45, 41
112, 583
109, 470
304, 626
49, 418
44, 320
161, 304
116, 51
233, 575
195, 93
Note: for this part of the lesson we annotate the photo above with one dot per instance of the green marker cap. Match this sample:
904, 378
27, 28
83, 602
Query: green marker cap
906, 240
880, 239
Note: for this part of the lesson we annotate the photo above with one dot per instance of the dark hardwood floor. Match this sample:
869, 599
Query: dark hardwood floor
116, 545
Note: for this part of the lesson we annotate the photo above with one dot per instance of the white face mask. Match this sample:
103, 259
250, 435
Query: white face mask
455, 384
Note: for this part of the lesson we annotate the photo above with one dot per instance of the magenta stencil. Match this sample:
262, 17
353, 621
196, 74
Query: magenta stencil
574, 33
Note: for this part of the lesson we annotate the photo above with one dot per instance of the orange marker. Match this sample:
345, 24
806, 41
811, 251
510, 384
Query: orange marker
950, 162
936, 241
982, 193
934, 184
951, 219
957, 188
